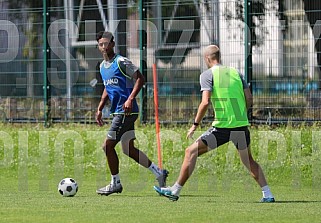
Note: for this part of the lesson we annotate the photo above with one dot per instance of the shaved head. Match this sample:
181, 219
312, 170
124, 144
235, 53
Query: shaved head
212, 55
212, 52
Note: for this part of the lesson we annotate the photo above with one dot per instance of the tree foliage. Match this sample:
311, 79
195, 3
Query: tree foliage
258, 10
312, 10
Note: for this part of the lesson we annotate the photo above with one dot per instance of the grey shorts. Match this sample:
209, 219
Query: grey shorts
215, 137
122, 127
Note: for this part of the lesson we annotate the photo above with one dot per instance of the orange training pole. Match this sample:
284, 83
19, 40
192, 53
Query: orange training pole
159, 151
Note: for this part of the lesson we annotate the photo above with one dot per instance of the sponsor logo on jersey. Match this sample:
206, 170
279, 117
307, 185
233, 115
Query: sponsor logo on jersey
111, 81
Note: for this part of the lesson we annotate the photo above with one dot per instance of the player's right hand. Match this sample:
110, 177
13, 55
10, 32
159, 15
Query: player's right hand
191, 131
99, 119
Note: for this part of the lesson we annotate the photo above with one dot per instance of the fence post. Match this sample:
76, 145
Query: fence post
248, 44
46, 52
143, 58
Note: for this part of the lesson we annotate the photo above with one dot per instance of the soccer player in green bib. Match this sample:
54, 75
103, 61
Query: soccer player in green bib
225, 88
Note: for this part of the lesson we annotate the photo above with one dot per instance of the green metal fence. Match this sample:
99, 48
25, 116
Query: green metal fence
49, 59
286, 60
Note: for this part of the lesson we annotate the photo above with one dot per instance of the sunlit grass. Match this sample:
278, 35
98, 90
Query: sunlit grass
33, 159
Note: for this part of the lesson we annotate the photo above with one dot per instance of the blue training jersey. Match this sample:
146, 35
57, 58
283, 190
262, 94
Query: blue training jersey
118, 85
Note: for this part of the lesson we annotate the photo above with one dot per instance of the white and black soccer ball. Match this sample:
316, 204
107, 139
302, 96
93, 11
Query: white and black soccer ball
68, 187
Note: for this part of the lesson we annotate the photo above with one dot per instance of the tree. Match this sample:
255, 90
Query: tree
258, 8
312, 10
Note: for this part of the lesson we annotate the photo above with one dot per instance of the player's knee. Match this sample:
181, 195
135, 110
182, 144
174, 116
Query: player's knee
125, 148
107, 148
126, 151
128, 148
190, 153
104, 147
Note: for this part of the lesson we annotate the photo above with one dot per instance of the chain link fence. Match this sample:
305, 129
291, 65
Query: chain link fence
49, 59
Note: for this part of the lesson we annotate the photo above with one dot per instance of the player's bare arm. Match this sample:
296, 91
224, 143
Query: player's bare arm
248, 98
140, 81
202, 108
101, 105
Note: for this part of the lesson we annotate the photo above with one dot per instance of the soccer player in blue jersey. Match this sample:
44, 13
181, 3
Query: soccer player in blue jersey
122, 81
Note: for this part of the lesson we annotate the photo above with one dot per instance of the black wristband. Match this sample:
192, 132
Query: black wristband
195, 123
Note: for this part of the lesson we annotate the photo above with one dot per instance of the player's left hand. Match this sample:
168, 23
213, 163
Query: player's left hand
127, 107
99, 119
191, 131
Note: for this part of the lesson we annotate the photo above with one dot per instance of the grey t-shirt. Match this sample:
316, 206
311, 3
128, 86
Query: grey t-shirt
125, 65
206, 80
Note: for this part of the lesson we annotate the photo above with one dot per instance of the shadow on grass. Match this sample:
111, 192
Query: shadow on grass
281, 202
156, 195
200, 195
291, 202
211, 197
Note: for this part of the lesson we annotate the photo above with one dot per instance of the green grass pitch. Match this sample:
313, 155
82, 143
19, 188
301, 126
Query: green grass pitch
34, 159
